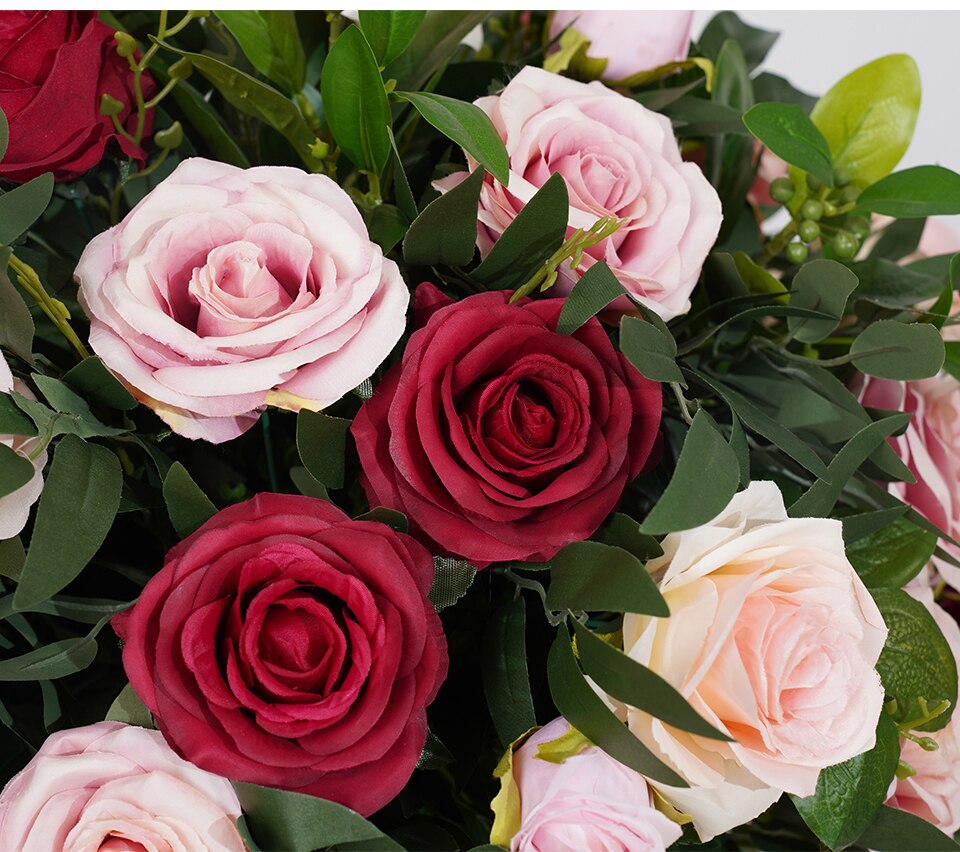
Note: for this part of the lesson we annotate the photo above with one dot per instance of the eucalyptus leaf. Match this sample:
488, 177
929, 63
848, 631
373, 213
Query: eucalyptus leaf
129, 709
756, 43
894, 350
92, 379
592, 292
822, 285
56, 660
650, 351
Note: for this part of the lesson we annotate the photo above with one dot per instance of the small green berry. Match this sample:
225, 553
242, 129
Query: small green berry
860, 226
814, 183
812, 209
782, 190
849, 194
797, 252
845, 245
829, 209
808, 230
841, 177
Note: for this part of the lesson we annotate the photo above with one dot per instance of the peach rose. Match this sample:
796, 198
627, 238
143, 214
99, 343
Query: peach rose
590, 801
115, 787
15, 506
226, 290
631, 42
773, 638
618, 159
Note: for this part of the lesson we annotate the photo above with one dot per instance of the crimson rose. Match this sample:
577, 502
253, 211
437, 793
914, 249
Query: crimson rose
287, 645
54, 68
501, 439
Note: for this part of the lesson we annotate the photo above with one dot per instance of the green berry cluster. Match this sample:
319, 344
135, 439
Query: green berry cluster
826, 214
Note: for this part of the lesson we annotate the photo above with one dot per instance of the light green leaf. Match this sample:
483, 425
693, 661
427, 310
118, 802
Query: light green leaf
269, 39
506, 681
757, 280
788, 132
390, 32
914, 193
894, 350
189, 508
322, 444
446, 231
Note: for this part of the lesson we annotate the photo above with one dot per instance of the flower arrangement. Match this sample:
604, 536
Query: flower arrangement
416, 436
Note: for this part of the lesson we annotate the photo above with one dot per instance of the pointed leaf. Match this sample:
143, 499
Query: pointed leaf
506, 681
189, 508
390, 32
446, 231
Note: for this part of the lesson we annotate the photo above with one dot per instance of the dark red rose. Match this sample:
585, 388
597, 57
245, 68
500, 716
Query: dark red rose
54, 68
499, 438
287, 645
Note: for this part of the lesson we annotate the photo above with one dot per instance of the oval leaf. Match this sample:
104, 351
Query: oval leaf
894, 350
23, 205
914, 193
189, 508
389, 33
787, 131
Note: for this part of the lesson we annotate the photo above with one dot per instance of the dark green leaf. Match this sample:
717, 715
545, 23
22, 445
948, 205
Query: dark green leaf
91, 378
390, 32
387, 226
436, 41
77, 508
585, 711
634, 684
189, 508
594, 290
535, 234
4, 134
859, 526
894, 830
899, 239
12, 557
307, 485
893, 555
435, 754
129, 709
890, 285
695, 117
322, 444
788, 132
23, 205
942, 308
73, 417
624, 532
590, 575
16, 324
205, 121
704, 481
446, 231
739, 445
269, 39
392, 518
506, 681
83, 610
467, 125
15, 470
770, 87
849, 794
281, 819
56, 660
822, 285
756, 43
894, 350
650, 351
914, 193
451, 580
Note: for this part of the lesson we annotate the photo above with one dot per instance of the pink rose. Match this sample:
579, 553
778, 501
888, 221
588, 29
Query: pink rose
933, 793
15, 506
115, 787
773, 638
226, 290
618, 159
590, 801
631, 42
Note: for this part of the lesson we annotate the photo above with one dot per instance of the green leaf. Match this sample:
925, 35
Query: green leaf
914, 193
788, 132
446, 231
694, 117
916, 661
436, 41
899, 239
4, 134
849, 794
451, 580
756, 43
623, 531
129, 709
467, 125
590, 575
894, 830
387, 226
23, 205
15, 470
307, 485
861, 525
585, 711
355, 103
12, 557
282, 819
16, 324
322, 444
77, 508
822, 285
890, 285
56, 660
506, 681
391, 517
189, 508
206, 122
591, 293
704, 481
757, 280
269, 39
868, 117
893, 555
770, 87
894, 350
634, 684
92, 379
73, 416
390, 32
535, 234
650, 351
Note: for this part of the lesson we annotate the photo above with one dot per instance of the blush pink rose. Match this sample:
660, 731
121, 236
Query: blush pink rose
618, 159
631, 42
773, 638
590, 801
933, 793
226, 290
15, 506
115, 787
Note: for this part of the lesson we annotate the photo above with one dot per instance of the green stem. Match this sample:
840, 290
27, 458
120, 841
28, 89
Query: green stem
776, 245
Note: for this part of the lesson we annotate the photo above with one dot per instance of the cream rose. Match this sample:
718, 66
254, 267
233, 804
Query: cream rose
110, 786
617, 159
773, 638
226, 290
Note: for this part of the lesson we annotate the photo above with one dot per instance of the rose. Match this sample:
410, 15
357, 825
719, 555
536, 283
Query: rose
225, 290
54, 68
110, 786
933, 793
15, 506
631, 42
498, 437
773, 638
287, 645
589, 801
618, 159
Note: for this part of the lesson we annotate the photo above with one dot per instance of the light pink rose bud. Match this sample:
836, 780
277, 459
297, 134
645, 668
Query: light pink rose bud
226, 290
618, 159
15, 506
590, 801
117, 787
631, 42
773, 639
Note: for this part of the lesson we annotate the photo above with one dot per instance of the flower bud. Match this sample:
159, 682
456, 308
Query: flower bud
110, 105
126, 43
169, 137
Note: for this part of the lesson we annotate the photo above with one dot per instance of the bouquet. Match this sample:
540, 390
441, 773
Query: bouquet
469, 430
